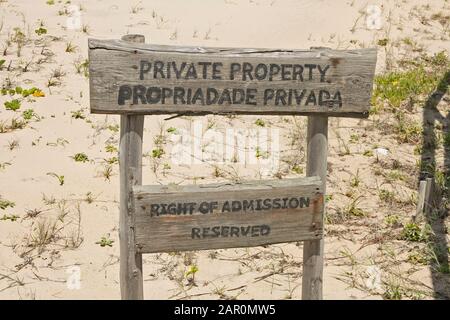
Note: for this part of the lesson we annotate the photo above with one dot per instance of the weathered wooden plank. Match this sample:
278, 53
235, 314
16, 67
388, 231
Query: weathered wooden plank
131, 131
152, 79
178, 218
429, 199
420, 209
425, 199
316, 165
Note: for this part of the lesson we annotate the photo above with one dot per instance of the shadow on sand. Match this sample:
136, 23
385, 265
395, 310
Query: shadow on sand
432, 117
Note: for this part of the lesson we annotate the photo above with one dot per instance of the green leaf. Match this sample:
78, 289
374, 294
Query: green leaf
28, 114
40, 31
12, 105
81, 157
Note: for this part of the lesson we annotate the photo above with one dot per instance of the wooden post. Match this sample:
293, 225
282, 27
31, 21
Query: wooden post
428, 196
421, 199
131, 131
425, 198
317, 140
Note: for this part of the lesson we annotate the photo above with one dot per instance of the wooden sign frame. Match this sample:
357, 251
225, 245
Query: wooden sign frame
353, 72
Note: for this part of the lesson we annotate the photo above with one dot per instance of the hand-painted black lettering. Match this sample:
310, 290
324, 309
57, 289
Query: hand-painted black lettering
125, 93
145, 67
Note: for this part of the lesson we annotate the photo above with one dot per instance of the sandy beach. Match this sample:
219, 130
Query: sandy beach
59, 171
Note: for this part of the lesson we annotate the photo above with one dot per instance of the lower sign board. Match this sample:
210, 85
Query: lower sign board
214, 216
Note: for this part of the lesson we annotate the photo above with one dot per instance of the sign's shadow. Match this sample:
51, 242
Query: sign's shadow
441, 193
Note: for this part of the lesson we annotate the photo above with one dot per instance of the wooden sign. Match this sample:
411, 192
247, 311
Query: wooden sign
138, 78
131, 78
254, 213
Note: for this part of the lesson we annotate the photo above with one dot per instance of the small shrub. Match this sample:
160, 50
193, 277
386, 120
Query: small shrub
297, 169
112, 160
105, 241
383, 42
78, 114
413, 232
107, 172
10, 217
59, 177
260, 123
28, 114
70, 47
386, 195
13, 105
157, 153
40, 31
80, 157
111, 148
392, 220
393, 292
190, 273
396, 87
446, 140
6, 204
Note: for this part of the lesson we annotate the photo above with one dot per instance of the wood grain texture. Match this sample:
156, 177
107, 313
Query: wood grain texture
173, 232
316, 165
114, 63
131, 132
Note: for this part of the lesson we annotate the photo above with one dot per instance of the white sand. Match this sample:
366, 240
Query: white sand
232, 23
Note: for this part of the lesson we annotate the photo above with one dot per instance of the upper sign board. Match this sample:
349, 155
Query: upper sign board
138, 78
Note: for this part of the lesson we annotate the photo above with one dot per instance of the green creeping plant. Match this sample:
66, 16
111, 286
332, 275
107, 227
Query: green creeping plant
157, 153
28, 114
40, 31
10, 217
105, 242
6, 203
13, 105
80, 157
